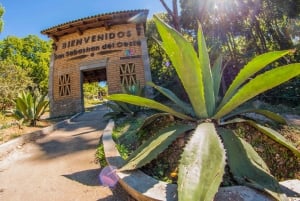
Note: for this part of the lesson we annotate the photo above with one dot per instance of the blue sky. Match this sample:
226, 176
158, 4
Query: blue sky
24, 17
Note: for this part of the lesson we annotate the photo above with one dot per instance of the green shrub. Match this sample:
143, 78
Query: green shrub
30, 108
120, 109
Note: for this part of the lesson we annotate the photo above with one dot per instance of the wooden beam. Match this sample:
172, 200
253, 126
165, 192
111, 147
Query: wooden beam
79, 31
55, 38
106, 25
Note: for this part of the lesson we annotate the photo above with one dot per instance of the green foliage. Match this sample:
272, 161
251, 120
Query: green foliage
254, 66
154, 146
30, 107
145, 102
100, 155
287, 94
120, 109
170, 95
93, 93
198, 158
257, 86
1, 15
162, 70
93, 90
134, 89
30, 54
244, 29
13, 81
125, 134
250, 170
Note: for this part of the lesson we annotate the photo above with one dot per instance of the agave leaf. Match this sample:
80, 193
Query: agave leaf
123, 107
169, 94
217, 75
202, 165
34, 104
145, 102
21, 106
208, 81
269, 132
149, 120
186, 63
114, 107
154, 146
111, 115
259, 84
270, 115
275, 136
250, 69
41, 106
247, 166
30, 106
134, 89
18, 115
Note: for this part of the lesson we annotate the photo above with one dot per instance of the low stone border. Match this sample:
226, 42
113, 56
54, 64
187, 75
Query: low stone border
139, 185
11, 145
145, 188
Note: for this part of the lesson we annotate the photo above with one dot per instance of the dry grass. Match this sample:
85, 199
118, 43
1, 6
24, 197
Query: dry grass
10, 128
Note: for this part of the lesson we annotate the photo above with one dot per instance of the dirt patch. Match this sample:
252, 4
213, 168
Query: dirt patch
14, 130
281, 161
10, 129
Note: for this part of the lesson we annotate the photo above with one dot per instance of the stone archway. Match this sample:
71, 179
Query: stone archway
107, 46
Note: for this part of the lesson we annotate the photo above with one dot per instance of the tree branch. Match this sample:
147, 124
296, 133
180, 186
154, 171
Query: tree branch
173, 14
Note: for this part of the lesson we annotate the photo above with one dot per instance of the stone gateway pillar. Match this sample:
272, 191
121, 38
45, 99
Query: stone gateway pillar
107, 47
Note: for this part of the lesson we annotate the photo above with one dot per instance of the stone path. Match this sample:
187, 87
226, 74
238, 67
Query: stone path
59, 166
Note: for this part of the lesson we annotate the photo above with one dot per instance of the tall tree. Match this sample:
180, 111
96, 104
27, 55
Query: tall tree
1, 16
31, 54
13, 80
242, 29
259, 25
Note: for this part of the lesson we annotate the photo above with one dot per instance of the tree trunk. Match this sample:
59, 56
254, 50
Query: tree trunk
173, 15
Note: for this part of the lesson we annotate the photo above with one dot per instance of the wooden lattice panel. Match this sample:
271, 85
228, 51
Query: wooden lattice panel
64, 84
128, 74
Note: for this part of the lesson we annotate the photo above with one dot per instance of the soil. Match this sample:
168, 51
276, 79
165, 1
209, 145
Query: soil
10, 129
14, 130
282, 162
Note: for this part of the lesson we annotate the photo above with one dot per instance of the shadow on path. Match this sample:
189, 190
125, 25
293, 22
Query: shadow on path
81, 134
86, 177
119, 194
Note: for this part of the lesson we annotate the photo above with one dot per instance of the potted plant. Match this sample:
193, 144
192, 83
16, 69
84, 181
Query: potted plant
211, 145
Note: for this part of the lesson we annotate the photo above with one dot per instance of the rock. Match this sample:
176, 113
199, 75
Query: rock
291, 188
240, 193
293, 119
243, 193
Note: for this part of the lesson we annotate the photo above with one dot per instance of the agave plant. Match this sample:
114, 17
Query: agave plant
211, 144
30, 108
120, 109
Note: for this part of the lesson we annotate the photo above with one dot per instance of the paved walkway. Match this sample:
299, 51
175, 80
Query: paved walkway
59, 166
